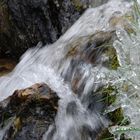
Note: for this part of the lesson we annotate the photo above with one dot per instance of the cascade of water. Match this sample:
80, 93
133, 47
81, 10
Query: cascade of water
36, 63
127, 77
77, 118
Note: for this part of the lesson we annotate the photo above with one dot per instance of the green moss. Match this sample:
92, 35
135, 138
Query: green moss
107, 94
114, 63
105, 135
79, 5
113, 60
17, 125
123, 137
116, 116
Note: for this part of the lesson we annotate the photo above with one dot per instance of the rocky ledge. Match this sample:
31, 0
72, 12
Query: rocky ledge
28, 113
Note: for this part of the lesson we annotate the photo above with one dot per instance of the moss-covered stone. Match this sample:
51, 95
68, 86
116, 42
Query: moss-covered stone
116, 116
113, 62
105, 135
79, 4
107, 93
31, 111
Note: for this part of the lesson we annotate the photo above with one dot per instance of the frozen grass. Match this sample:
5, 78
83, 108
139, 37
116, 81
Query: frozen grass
126, 78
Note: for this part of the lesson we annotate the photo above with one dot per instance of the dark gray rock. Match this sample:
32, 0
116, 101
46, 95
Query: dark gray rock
26, 22
30, 112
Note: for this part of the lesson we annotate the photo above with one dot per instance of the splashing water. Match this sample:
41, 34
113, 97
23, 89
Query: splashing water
127, 78
37, 64
63, 74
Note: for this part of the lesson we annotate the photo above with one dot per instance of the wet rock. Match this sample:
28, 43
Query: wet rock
26, 22
92, 50
6, 66
5, 35
88, 48
28, 113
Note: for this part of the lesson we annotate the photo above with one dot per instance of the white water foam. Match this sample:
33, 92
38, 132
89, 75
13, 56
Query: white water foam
48, 63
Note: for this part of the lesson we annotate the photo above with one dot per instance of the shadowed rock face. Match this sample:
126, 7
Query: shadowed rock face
6, 66
31, 110
26, 22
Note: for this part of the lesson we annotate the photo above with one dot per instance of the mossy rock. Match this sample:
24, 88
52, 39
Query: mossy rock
28, 113
107, 93
116, 116
106, 135
113, 62
79, 4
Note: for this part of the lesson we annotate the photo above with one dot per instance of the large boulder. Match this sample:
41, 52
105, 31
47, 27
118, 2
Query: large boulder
26, 22
28, 113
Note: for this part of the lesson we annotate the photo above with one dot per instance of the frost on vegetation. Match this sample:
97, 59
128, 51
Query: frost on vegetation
126, 79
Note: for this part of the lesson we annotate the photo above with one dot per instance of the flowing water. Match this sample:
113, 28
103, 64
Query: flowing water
74, 79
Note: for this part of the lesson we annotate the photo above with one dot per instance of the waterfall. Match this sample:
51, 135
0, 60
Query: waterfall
39, 64
70, 74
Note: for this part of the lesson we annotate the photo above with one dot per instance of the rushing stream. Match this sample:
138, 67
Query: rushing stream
72, 77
